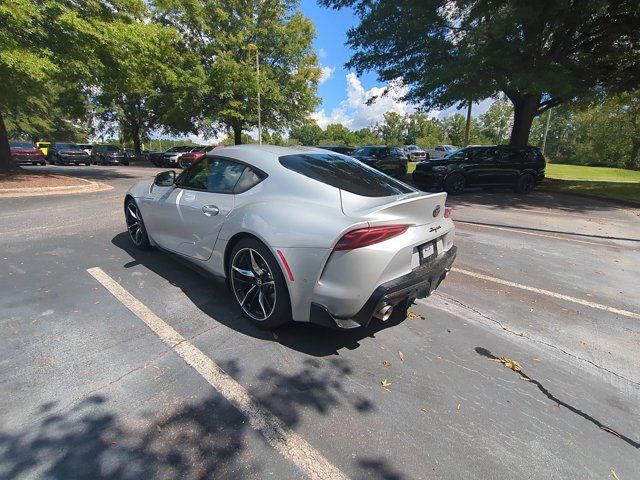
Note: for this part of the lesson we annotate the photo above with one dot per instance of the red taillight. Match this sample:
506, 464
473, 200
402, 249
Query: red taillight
448, 211
364, 237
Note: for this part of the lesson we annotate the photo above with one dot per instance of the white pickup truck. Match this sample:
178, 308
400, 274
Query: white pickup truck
441, 151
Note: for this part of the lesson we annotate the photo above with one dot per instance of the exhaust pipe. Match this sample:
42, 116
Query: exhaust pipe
384, 313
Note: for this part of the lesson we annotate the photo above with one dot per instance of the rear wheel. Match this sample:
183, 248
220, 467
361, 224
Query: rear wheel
525, 184
184, 164
135, 225
258, 284
455, 183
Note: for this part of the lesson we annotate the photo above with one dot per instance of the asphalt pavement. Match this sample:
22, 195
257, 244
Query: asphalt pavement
168, 380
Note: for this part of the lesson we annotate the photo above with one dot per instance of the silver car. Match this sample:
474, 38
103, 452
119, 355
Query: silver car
299, 233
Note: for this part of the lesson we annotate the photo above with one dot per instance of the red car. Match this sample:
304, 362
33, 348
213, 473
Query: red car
192, 156
26, 152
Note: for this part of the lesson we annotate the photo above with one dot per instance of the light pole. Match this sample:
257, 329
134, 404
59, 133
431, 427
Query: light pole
252, 46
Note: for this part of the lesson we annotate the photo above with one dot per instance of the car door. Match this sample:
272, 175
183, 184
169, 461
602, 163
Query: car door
205, 201
508, 165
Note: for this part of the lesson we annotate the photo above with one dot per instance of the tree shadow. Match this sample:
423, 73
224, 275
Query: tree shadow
218, 304
208, 438
95, 173
486, 353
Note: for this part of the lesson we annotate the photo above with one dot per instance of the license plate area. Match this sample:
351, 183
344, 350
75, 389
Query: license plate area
427, 251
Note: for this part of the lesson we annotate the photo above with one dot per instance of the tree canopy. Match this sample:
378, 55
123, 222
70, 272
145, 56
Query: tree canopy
539, 53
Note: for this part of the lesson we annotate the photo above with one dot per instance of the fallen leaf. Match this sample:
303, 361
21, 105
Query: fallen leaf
401, 355
145, 365
385, 384
458, 407
158, 428
525, 379
536, 359
613, 472
386, 363
424, 410
512, 364
414, 316
156, 367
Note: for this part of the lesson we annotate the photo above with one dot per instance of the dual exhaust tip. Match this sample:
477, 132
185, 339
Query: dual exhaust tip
384, 312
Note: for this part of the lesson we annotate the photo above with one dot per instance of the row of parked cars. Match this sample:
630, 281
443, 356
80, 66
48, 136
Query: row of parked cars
454, 169
180, 156
65, 153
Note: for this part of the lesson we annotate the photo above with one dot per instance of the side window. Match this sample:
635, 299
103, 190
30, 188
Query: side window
249, 179
397, 151
212, 174
439, 149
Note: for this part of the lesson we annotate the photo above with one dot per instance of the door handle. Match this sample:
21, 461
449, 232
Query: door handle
210, 210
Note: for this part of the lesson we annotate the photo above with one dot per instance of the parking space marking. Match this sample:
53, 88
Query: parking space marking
549, 293
516, 230
284, 440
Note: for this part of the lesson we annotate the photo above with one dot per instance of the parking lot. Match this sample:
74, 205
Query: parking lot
126, 364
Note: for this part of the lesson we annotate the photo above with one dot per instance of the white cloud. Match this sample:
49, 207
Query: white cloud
355, 113
326, 73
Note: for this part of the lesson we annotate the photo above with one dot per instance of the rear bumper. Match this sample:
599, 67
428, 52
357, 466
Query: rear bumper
428, 179
418, 283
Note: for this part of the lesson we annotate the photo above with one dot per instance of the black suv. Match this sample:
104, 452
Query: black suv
484, 166
390, 160
109, 154
66, 154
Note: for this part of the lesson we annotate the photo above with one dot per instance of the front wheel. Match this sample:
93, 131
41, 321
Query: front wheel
135, 225
454, 183
525, 183
258, 284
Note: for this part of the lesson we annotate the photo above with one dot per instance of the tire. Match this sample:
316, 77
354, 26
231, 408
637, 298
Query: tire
258, 284
525, 184
43, 164
88, 163
455, 183
34, 163
184, 164
135, 225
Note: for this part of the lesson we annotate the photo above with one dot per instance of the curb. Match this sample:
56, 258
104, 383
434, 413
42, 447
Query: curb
91, 187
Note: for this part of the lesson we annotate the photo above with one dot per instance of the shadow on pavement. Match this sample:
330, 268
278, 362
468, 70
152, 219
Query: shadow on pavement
217, 303
95, 173
193, 439
486, 353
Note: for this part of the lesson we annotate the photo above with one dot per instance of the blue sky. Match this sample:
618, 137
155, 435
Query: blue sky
343, 94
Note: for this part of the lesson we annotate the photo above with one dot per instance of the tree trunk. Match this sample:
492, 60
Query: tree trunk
237, 134
135, 136
525, 109
6, 164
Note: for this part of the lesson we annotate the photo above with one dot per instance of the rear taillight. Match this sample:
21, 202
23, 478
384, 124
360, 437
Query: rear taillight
364, 237
448, 211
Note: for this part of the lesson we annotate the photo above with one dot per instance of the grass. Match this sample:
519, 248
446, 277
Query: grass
581, 172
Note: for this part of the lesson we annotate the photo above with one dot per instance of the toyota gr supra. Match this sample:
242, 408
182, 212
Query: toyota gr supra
299, 233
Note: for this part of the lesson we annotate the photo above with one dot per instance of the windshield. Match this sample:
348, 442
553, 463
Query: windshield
345, 173
67, 146
20, 145
369, 151
111, 148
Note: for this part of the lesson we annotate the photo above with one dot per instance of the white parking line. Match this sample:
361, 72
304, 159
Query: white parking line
516, 230
549, 293
288, 443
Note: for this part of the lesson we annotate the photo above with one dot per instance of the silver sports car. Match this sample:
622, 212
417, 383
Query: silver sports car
299, 233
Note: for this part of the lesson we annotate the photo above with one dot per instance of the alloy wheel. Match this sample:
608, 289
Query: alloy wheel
134, 224
253, 284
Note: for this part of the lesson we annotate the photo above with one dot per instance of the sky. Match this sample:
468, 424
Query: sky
342, 92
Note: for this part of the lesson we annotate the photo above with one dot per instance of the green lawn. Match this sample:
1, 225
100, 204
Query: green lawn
580, 172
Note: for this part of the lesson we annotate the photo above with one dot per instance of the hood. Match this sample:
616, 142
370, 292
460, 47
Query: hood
113, 154
72, 152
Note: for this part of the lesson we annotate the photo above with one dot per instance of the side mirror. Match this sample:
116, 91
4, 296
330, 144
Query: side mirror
165, 179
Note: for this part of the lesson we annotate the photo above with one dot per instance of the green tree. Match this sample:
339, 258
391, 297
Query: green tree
337, 134
148, 80
309, 133
228, 35
539, 53
496, 121
453, 127
393, 129
423, 131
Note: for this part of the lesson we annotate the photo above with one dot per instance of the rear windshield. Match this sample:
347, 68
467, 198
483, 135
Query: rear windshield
67, 146
345, 173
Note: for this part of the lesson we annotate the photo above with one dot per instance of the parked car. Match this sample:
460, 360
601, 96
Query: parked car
194, 155
346, 243
414, 153
171, 157
339, 149
67, 153
157, 158
43, 147
440, 151
486, 166
106, 154
390, 160
86, 147
26, 152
